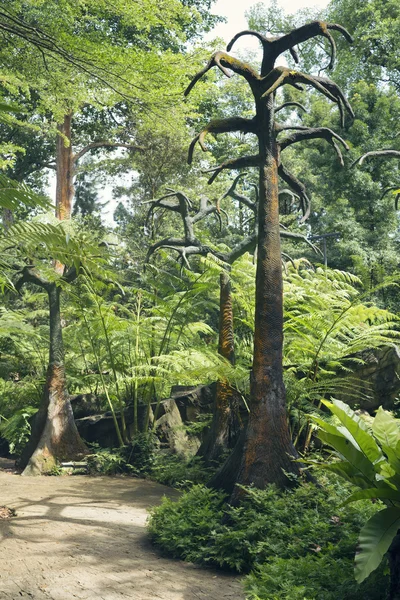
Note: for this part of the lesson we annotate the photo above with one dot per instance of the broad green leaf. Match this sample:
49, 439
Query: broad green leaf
345, 470
385, 493
386, 429
356, 458
357, 428
374, 541
328, 427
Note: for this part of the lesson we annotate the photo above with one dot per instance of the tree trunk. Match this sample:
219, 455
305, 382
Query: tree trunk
7, 218
225, 426
54, 434
267, 448
64, 176
394, 566
64, 170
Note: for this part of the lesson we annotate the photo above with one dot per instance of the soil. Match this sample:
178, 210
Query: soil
84, 538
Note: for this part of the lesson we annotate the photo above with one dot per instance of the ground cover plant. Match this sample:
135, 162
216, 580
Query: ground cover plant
294, 544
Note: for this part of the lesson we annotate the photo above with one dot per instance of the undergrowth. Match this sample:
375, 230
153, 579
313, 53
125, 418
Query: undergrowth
296, 545
143, 458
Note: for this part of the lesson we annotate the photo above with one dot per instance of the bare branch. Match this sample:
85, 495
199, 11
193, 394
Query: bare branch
306, 32
29, 275
299, 237
235, 163
299, 188
387, 153
286, 104
392, 188
224, 61
222, 126
310, 133
240, 197
282, 75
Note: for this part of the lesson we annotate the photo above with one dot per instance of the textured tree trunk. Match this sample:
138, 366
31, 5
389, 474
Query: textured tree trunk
265, 451
64, 170
64, 176
54, 434
225, 425
7, 218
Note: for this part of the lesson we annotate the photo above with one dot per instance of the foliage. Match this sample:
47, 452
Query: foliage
170, 469
140, 454
17, 429
105, 461
369, 459
307, 527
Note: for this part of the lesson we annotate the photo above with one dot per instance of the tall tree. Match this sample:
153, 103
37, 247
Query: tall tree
268, 453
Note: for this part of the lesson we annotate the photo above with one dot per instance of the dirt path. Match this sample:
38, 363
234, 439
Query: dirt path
84, 538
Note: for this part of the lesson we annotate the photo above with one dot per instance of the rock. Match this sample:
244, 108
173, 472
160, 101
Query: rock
85, 405
170, 430
376, 382
193, 400
184, 407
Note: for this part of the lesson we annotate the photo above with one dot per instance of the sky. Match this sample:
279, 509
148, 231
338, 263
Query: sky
234, 11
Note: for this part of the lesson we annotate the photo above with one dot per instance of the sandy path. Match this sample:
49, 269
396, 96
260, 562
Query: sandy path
84, 538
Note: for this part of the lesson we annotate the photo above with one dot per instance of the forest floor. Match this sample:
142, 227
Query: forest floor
81, 537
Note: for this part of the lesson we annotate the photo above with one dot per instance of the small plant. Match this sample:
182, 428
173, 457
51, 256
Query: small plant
17, 429
170, 469
106, 461
55, 471
140, 454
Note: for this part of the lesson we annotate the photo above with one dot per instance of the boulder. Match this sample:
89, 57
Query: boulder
376, 382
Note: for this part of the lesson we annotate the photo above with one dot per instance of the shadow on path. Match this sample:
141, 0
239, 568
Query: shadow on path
84, 538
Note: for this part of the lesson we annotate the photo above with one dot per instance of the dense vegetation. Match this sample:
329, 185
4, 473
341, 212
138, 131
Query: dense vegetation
273, 286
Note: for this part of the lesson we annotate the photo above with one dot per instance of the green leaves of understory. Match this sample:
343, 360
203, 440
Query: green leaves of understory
375, 539
369, 460
13, 194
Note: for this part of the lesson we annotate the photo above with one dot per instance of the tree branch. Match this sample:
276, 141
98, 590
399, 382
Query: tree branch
235, 163
286, 104
311, 133
222, 126
283, 75
240, 197
30, 276
224, 61
388, 153
297, 187
306, 32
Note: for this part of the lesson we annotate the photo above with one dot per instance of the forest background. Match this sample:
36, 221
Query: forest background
93, 94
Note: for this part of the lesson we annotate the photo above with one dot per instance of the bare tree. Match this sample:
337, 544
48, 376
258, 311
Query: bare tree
225, 426
268, 452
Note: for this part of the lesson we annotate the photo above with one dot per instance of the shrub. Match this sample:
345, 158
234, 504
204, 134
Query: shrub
305, 529
170, 469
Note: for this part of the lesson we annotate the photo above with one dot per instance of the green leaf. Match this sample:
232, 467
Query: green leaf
374, 541
345, 470
14, 193
386, 429
357, 428
384, 493
351, 454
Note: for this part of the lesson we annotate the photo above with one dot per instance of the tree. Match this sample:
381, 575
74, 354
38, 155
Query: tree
268, 453
225, 425
54, 435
